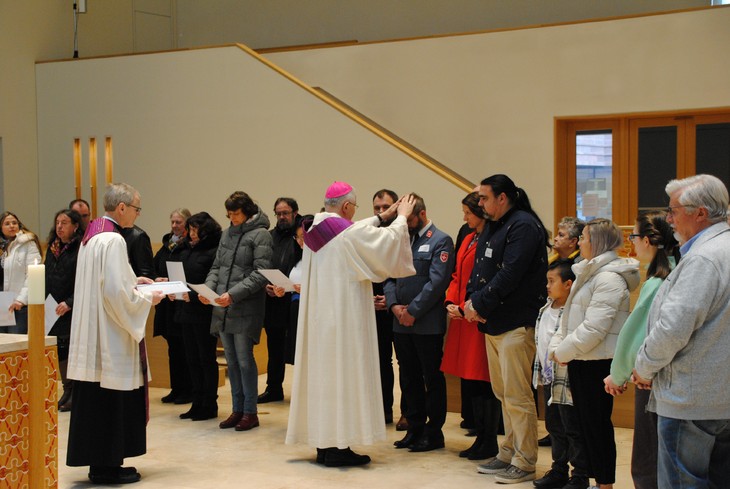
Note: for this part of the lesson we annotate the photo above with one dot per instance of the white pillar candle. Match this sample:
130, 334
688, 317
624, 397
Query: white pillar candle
36, 284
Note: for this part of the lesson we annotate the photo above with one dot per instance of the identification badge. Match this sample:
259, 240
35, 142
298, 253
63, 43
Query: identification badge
424, 248
488, 252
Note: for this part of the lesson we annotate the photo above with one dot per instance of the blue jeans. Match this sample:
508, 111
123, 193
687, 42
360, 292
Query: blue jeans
244, 379
693, 453
21, 323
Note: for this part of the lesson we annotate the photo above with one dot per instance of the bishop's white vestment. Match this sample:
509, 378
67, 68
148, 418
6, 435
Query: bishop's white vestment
336, 396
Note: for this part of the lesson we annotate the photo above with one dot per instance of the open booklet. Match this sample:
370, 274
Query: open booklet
277, 278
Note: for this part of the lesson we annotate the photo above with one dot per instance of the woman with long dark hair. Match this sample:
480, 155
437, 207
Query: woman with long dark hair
63, 250
18, 249
654, 243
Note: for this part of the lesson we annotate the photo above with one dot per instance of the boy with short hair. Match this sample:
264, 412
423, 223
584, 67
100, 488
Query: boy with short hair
560, 422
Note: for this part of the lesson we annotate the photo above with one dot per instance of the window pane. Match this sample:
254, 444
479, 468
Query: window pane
594, 174
657, 164
713, 150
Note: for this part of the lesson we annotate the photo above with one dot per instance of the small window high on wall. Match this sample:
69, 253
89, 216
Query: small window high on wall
614, 166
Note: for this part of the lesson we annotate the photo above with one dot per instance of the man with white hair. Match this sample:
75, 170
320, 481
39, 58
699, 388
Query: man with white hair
336, 396
683, 359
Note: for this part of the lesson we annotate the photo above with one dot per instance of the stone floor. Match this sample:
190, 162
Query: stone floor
184, 454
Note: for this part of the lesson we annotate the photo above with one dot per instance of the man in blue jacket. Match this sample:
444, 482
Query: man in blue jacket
505, 293
419, 325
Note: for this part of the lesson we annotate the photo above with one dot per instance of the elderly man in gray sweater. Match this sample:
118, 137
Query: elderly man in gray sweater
684, 359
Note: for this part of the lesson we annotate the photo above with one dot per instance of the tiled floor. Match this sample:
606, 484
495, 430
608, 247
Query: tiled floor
184, 454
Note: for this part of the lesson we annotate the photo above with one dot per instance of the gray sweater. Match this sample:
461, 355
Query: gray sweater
688, 342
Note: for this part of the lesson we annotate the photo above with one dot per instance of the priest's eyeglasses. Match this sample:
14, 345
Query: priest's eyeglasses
138, 209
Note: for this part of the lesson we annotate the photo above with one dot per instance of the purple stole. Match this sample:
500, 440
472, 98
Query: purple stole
98, 226
324, 232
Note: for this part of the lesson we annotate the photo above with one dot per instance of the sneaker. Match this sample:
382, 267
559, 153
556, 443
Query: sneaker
513, 475
493, 466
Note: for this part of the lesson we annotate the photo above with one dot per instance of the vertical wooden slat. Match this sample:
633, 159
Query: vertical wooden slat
77, 167
92, 175
37, 400
108, 160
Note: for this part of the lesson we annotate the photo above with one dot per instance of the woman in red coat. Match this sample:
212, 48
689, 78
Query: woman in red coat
465, 353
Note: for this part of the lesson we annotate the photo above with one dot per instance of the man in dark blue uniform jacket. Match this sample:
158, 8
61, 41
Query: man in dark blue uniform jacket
419, 325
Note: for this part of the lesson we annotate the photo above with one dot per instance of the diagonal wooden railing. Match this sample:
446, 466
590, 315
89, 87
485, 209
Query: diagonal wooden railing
424, 159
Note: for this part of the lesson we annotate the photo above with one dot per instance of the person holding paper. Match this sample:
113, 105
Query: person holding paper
61, 256
107, 355
245, 247
336, 396
18, 249
172, 245
203, 237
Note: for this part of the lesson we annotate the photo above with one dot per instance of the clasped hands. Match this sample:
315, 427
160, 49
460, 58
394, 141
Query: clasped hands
401, 313
471, 315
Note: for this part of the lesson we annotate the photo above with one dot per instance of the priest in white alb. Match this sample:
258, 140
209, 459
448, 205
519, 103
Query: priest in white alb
336, 397
107, 359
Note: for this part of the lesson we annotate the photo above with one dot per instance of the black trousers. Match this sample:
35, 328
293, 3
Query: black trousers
106, 426
200, 352
385, 353
422, 382
593, 407
566, 438
646, 443
276, 345
179, 374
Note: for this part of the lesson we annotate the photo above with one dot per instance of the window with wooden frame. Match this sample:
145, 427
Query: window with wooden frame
614, 166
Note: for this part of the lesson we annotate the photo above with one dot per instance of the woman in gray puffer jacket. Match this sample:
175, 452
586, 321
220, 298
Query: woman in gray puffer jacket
244, 248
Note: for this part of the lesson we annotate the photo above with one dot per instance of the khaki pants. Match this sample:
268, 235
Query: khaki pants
511, 356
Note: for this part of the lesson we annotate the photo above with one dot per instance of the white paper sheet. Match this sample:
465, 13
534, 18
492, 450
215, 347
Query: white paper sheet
206, 292
167, 288
51, 316
7, 318
176, 272
277, 278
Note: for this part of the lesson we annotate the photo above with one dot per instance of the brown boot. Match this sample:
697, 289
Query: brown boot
402, 424
248, 421
232, 421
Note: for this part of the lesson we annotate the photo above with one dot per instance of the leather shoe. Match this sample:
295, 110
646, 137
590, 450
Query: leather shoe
248, 421
428, 442
409, 440
170, 398
270, 396
551, 480
232, 421
545, 441
205, 413
337, 457
402, 424
66, 397
190, 413
114, 475
66, 407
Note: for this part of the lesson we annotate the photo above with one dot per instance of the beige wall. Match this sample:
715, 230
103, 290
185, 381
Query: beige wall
190, 127
486, 103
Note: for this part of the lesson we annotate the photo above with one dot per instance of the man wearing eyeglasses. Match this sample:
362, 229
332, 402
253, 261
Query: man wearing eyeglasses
286, 254
683, 359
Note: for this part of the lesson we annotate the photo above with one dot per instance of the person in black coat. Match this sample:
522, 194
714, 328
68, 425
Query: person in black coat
172, 245
204, 234
63, 249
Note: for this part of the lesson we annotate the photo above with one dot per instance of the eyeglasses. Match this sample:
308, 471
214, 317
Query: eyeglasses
670, 209
138, 209
633, 236
283, 213
352, 203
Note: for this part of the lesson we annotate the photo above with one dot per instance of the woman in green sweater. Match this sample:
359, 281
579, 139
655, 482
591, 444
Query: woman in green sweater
654, 242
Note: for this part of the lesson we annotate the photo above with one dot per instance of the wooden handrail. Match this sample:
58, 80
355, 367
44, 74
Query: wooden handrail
371, 126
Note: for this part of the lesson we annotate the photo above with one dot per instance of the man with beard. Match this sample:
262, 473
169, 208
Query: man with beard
382, 201
277, 308
419, 325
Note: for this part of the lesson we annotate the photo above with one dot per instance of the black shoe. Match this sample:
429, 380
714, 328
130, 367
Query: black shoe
467, 425
402, 424
114, 475
66, 407
183, 399
552, 480
204, 413
65, 397
321, 453
190, 413
271, 396
170, 398
409, 440
336, 457
545, 441
428, 442
484, 447
577, 482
